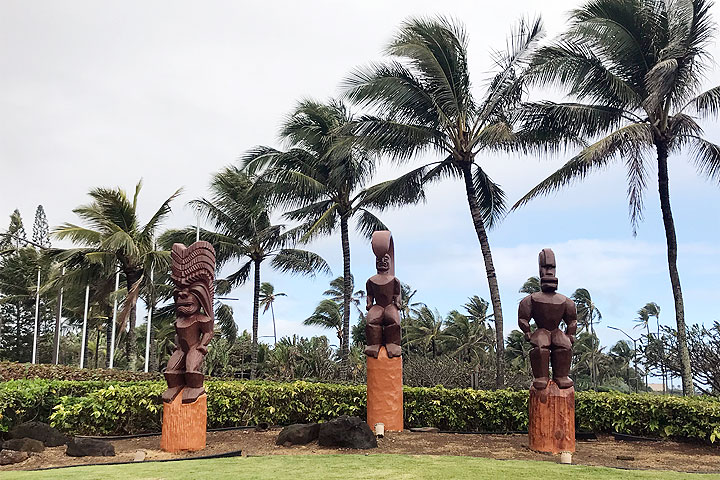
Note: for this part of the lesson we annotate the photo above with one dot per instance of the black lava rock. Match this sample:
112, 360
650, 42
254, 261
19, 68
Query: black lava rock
89, 447
346, 432
51, 437
23, 445
298, 434
8, 457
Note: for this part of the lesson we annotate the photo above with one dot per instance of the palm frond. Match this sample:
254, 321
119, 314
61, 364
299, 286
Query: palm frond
630, 139
706, 156
302, 262
367, 223
491, 198
224, 318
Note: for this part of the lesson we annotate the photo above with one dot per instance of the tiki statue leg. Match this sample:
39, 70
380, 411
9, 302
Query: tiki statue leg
561, 359
193, 376
174, 375
391, 331
373, 331
540, 358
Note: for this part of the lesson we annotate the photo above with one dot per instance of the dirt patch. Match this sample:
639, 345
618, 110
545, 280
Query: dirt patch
663, 455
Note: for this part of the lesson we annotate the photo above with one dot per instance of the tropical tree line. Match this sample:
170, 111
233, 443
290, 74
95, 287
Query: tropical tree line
631, 72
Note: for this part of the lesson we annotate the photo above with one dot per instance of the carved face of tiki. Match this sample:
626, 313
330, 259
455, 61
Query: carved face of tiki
186, 302
383, 263
548, 280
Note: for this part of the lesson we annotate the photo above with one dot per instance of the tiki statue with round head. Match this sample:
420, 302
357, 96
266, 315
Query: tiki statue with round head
383, 294
193, 273
550, 344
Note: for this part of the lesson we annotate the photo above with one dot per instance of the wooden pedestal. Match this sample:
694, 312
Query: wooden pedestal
184, 425
552, 419
384, 392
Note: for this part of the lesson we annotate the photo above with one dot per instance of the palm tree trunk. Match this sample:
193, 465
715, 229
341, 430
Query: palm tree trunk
18, 333
256, 312
272, 311
347, 292
593, 380
664, 190
477, 219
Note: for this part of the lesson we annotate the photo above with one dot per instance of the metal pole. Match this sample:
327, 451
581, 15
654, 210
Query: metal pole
37, 316
58, 321
84, 330
114, 321
149, 321
197, 229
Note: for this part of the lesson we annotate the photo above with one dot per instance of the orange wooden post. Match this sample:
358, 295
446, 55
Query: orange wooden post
184, 425
384, 392
552, 419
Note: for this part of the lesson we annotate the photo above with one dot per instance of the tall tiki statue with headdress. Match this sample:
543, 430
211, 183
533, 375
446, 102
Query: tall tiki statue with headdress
383, 295
193, 273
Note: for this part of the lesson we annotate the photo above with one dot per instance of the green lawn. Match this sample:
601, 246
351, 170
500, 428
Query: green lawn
325, 467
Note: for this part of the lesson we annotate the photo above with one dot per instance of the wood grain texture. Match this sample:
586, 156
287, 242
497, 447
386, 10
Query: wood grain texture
184, 425
384, 392
552, 419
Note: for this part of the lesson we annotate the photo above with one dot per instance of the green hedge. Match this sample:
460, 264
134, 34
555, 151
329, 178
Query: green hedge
26, 371
102, 408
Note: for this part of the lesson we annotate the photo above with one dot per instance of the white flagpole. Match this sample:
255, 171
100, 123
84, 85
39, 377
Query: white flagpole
84, 330
37, 315
57, 326
149, 320
114, 321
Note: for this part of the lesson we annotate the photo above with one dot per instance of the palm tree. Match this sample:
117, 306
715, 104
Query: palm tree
267, 299
323, 177
328, 314
423, 101
114, 233
633, 69
651, 309
531, 285
427, 330
243, 232
336, 292
587, 315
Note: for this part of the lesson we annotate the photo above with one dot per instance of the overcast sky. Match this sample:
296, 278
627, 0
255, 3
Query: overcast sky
103, 93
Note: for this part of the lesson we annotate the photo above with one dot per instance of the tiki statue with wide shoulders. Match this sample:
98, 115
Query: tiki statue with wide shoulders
550, 344
193, 273
383, 294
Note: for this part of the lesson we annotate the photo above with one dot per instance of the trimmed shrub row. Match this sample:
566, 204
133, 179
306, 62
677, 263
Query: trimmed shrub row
102, 408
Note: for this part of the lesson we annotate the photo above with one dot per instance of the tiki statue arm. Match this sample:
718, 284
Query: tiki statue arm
369, 295
396, 293
524, 315
208, 332
570, 319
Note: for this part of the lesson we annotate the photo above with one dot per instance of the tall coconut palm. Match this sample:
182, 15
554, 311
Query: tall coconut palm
336, 292
324, 177
114, 232
587, 315
267, 299
651, 309
243, 232
633, 69
423, 100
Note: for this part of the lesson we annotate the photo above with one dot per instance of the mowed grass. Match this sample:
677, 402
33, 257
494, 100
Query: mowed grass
325, 467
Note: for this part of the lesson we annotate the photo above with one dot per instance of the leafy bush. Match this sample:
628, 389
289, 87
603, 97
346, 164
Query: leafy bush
26, 400
112, 408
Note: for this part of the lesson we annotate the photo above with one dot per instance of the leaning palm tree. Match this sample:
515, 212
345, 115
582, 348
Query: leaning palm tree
267, 299
328, 314
423, 100
587, 315
323, 177
114, 233
243, 232
531, 285
633, 69
427, 329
